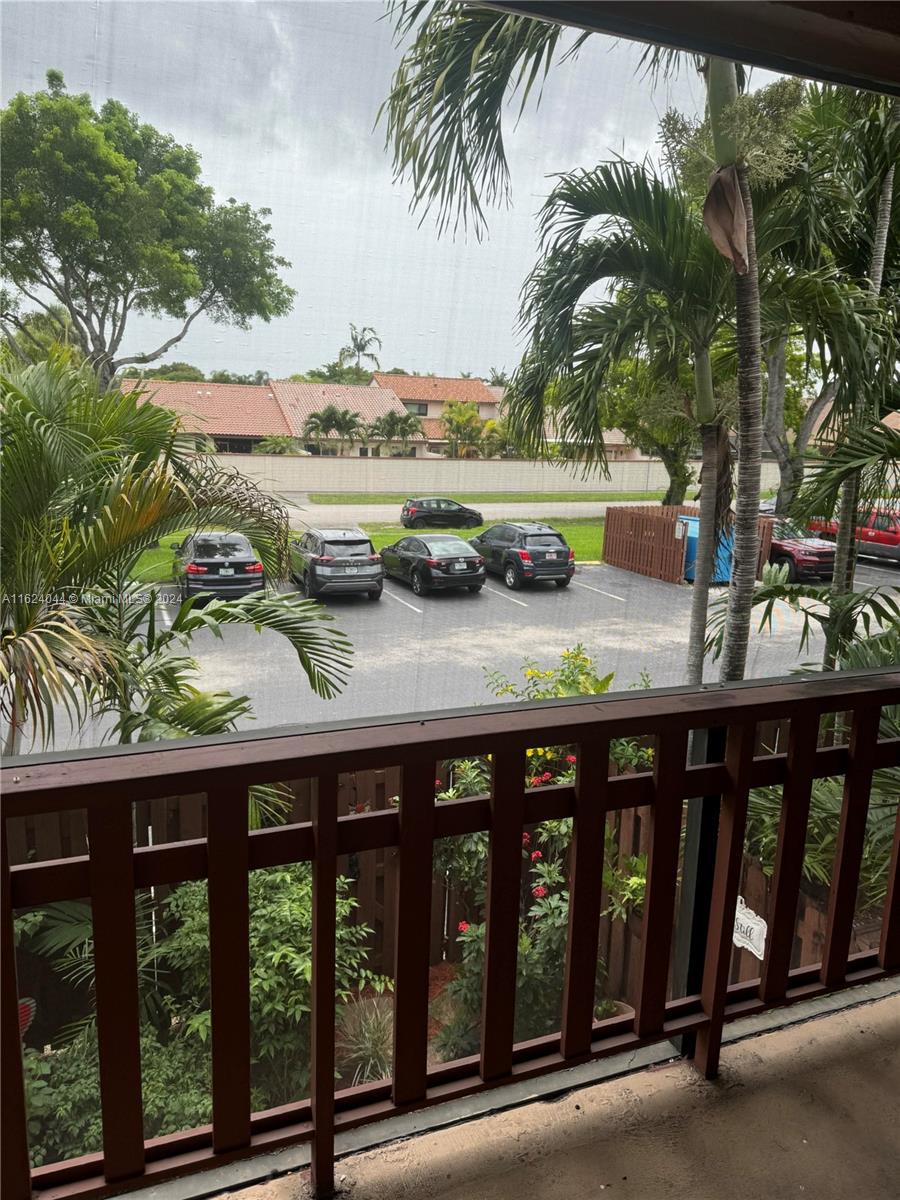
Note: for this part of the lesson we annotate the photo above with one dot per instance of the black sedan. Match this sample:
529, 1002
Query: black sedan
436, 511
223, 564
435, 561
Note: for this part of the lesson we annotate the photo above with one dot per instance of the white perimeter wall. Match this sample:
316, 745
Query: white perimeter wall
291, 474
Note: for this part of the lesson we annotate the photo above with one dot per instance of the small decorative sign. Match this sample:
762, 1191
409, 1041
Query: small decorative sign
749, 930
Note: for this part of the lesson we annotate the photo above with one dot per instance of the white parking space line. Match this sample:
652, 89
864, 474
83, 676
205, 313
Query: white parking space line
406, 602
599, 591
163, 612
503, 596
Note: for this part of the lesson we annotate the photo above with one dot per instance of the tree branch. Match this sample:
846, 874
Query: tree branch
812, 414
173, 341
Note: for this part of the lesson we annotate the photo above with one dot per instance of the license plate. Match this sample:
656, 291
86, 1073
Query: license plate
226, 570
550, 554
460, 566
350, 570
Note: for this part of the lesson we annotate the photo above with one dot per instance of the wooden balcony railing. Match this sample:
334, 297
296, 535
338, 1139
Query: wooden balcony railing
107, 783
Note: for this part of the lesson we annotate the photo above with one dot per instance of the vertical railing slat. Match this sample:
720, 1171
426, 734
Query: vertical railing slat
229, 965
889, 946
851, 837
669, 771
15, 1173
726, 882
785, 893
413, 932
116, 987
504, 880
324, 919
585, 895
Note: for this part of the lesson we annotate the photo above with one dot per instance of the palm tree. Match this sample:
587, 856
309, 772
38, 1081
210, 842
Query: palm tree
360, 347
277, 444
90, 481
672, 299
464, 428
395, 427
349, 428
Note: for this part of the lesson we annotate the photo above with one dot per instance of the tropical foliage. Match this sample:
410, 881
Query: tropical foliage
394, 427
360, 346
340, 425
89, 482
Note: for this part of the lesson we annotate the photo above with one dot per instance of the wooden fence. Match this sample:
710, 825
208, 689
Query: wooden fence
645, 539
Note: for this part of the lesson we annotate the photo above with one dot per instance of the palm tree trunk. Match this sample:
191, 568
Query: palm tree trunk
848, 518
746, 525
773, 424
705, 409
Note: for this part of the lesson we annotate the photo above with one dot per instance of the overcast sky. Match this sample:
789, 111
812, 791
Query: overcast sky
280, 100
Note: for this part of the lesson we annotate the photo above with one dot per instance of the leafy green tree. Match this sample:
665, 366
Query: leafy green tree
334, 424
89, 482
174, 372
106, 216
277, 444
257, 379
464, 428
360, 347
394, 427
497, 440
498, 378
30, 337
335, 372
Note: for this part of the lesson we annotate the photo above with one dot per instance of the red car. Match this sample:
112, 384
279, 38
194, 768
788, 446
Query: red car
806, 557
879, 536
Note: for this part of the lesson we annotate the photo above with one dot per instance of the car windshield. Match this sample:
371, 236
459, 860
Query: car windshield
550, 541
788, 529
225, 547
449, 545
348, 549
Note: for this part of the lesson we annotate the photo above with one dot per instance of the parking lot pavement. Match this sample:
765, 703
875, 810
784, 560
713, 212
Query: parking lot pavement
416, 654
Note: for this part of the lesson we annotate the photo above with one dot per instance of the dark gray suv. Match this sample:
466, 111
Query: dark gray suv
329, 562
525, 552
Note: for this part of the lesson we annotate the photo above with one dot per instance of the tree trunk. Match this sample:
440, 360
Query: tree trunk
845, 550
792, 474
680, 477
707, 539
773, 424
746, 525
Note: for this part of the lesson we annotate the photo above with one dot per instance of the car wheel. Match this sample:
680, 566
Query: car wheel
419, 586
474, 587
562, 582
511, 578
375, 595
791, 566
417, 523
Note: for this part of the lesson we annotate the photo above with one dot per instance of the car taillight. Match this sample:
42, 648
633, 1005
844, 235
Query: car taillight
323, 558
479, 562
412, 509
433, 562
374, 558
194, 569
571, 556
524, 555
254, 568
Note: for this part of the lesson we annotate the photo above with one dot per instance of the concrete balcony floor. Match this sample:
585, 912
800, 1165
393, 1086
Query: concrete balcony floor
812, 1109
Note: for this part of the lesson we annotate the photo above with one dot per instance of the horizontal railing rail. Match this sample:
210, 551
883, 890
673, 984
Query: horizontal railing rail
106, 784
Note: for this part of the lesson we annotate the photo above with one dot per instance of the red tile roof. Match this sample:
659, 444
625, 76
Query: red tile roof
300, 400
235, 409
430, 387
434, 429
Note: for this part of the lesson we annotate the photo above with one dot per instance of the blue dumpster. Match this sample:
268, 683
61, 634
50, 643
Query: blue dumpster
722, 570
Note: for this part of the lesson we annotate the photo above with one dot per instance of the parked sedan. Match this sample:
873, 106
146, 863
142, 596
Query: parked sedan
435, 561
336, 561
524, 552
223, 564
437, 511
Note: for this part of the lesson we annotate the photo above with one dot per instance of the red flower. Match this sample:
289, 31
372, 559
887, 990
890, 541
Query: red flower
463, 926
539, 892
534, 781
535, 855
360, 808
438, 784
546, 775
570, 758
526, 839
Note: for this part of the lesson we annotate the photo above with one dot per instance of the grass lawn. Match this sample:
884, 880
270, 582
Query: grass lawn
583, 534
481, 497
155, 566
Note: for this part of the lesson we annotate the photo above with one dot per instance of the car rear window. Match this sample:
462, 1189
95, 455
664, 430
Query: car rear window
221, 548
449, 546
551, 541
348, 549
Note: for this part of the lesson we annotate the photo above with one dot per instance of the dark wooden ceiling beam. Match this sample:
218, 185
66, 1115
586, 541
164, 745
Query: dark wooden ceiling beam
854, 44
